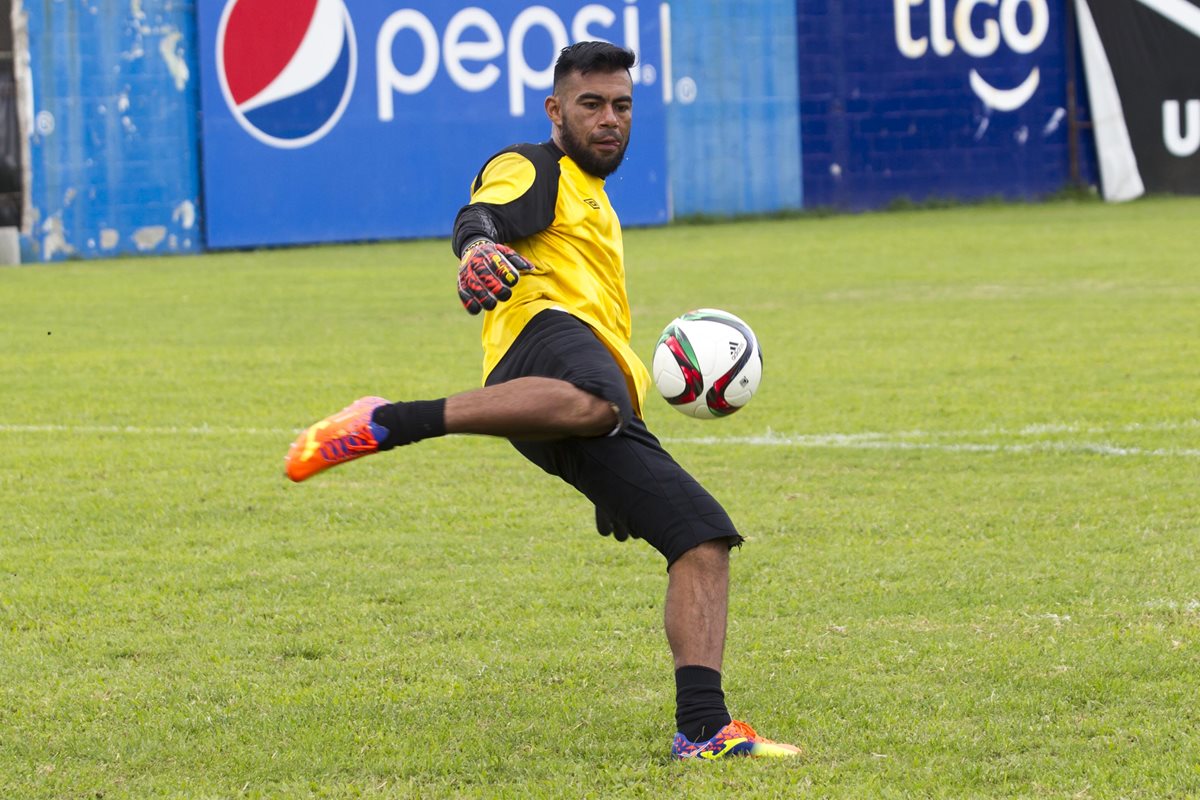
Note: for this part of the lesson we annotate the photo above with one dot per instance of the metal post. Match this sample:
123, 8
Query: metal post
1073, 123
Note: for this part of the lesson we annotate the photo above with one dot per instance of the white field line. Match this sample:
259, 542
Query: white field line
137, 430
853, 443
943, 441
1192, 606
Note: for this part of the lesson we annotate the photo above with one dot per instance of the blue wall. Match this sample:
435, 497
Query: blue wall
113, 150
891, 108
763, 106
733, 126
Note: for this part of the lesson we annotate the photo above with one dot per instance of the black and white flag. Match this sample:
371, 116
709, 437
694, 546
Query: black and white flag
1142, 59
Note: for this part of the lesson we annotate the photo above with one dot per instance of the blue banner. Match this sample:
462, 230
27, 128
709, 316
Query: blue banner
925, 99
345, 120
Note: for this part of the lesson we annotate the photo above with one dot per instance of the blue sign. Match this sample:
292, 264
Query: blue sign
932, 98
345, 120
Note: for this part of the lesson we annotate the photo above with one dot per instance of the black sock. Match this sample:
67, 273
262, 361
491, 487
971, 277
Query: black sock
699, 703
410, 422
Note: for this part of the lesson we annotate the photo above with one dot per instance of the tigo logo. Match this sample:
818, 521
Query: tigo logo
945, 35
286, 67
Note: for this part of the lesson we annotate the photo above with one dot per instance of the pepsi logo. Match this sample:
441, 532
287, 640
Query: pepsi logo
286, 67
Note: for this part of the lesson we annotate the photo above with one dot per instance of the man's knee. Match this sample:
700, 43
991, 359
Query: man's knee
710, 556
595, 415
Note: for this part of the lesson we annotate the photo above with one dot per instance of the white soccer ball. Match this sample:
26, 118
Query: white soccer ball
707, 363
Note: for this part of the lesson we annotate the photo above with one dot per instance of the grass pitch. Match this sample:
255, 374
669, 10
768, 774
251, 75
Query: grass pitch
969, 483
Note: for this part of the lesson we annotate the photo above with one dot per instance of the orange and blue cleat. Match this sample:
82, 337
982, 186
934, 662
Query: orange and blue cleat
735, 739
340, 437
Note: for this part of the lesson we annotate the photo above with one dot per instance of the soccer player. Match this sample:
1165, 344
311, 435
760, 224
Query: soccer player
541, 256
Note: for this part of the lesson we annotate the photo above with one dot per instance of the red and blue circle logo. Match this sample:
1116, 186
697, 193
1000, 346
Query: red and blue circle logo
286, 67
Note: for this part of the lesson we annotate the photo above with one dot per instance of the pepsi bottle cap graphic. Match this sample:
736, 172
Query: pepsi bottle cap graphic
286, 67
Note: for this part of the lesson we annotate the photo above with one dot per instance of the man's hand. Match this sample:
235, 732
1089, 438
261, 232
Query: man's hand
607, 526
485, 274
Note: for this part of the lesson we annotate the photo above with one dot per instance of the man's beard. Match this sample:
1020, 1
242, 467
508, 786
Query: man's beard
600, 166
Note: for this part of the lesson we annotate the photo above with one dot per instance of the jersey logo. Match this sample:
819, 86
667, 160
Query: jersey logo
592, 203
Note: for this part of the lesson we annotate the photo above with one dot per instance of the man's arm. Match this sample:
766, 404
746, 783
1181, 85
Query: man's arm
474, 222
512, 197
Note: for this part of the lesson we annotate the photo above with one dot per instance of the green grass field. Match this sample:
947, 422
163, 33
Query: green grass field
970, 484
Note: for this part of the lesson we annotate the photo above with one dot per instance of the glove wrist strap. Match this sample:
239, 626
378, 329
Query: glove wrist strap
475, 243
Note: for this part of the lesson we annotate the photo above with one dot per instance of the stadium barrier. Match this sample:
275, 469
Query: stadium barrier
152, 127
107, 105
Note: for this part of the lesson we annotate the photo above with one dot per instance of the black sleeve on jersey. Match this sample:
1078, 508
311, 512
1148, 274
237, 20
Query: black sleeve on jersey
525, 216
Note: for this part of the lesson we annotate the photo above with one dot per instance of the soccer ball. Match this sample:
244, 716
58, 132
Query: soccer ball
707, 363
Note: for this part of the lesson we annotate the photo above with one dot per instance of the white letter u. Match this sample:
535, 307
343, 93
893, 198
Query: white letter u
1182, 140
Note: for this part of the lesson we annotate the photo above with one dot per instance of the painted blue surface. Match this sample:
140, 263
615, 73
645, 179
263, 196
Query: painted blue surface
113, 151
372, 178
763, 107
734, 121
880, 125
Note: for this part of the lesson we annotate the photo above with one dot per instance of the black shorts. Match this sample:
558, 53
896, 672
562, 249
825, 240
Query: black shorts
638, 489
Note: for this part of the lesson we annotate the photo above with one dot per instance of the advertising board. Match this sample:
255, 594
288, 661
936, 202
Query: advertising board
924, 99
346, 120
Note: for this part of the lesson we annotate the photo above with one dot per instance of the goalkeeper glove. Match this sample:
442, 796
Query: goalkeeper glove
486, 272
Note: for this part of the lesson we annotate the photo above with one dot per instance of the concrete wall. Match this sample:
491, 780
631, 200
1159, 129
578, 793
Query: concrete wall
110, 113
733, 126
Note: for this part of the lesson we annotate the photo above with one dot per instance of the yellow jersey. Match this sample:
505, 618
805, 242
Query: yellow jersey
538, 201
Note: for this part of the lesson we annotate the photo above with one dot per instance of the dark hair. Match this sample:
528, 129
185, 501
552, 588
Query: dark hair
585, 57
